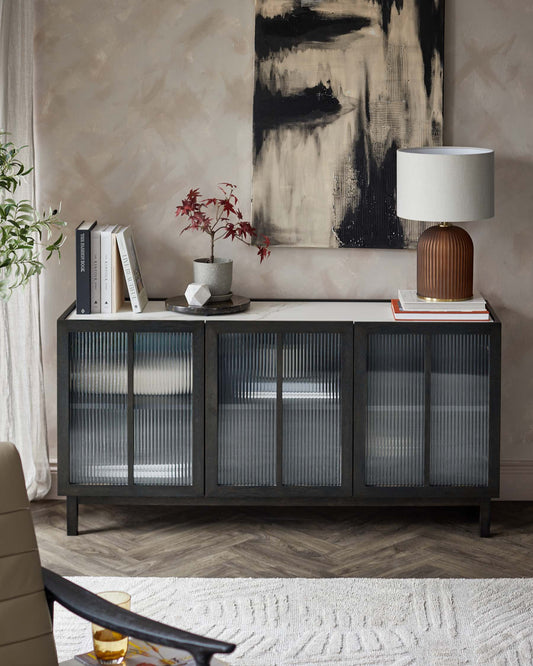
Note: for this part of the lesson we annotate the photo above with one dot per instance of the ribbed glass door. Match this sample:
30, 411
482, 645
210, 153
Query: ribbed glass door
312, 414
163, 408
98, 408
428, 409
460, 385
247, 395
280, 419
394, 446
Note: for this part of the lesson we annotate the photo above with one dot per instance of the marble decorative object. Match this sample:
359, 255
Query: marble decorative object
197, 294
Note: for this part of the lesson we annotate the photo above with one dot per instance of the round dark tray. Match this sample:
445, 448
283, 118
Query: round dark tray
232, 305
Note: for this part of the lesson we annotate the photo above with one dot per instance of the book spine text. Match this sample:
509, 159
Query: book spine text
105, 260
95, 271
128, 273
83, 271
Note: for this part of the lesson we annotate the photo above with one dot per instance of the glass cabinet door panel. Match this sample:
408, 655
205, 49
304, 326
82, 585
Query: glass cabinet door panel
312, 427
460, 410
395, 410
163, 409
98, 408
247, 390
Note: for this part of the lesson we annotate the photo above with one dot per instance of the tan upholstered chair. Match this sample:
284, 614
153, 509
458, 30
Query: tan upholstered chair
25, 626
27, 592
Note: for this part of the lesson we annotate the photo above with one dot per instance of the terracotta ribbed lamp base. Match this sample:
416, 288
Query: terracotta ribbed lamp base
445, 264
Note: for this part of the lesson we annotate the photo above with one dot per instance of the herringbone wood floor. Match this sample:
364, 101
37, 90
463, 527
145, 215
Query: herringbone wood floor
279, 542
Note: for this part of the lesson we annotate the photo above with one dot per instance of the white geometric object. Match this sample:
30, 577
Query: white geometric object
197, 294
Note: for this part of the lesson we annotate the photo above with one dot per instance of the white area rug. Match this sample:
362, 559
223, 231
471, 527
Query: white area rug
348, 621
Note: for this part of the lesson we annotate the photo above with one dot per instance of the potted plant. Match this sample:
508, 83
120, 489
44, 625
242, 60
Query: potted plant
21, 227
224, 221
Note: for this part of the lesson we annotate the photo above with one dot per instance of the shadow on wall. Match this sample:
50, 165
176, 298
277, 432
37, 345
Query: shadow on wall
514, 178
504, 273
504, 244
506, 241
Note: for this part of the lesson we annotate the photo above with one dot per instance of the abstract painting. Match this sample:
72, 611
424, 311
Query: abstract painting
340, 85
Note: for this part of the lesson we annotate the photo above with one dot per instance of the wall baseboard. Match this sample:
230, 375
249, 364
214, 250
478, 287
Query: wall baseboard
52, 493
516, 481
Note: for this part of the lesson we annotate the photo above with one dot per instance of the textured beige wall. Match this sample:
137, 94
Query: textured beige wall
136, 100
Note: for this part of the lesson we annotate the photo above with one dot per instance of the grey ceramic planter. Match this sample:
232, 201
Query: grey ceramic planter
216, 276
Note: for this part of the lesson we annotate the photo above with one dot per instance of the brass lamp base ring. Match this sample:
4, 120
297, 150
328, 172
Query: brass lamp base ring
442, 300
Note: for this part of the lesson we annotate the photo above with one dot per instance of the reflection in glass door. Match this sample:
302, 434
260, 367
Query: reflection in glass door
312, 419
163, 408
98, 408
460, 386
247, 394
394, 448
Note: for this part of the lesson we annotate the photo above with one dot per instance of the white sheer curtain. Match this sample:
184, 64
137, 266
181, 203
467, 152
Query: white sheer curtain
22, 408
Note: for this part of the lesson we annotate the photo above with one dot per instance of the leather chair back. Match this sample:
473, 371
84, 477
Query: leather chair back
26, 637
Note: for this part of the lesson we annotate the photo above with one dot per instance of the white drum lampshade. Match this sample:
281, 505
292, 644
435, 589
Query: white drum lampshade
445, 184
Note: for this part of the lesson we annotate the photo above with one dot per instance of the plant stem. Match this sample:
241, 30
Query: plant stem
212, 257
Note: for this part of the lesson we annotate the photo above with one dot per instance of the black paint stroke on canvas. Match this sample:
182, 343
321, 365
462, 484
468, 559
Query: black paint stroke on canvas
373, 221
309, 106
295, 110
300, 25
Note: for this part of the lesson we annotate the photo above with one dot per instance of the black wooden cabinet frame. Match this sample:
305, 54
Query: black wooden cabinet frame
361, 334
205, 489
131, 491
213, 330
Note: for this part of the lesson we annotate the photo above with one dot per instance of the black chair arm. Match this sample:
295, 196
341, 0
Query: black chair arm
95, 609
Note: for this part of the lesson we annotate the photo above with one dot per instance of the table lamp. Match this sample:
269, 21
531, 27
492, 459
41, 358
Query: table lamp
444, 185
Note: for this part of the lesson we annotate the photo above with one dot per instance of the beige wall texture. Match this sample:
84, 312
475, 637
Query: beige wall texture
137, 100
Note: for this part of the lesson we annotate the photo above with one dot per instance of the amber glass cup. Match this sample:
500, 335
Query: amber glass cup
110, 647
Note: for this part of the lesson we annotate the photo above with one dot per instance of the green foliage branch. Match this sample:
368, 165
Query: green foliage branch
21, 227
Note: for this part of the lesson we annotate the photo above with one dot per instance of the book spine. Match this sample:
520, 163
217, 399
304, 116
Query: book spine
128, 273
105, 259
117, 274
83, 271
95, 271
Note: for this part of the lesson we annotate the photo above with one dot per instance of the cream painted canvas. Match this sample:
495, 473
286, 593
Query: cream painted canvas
339, 86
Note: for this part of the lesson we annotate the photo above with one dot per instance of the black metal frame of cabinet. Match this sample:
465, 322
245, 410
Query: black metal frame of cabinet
213, 489
351, 493
362, 331
479, 495
76, 492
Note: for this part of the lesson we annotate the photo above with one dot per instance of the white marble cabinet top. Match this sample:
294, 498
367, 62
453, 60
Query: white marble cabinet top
262, 311
354, 311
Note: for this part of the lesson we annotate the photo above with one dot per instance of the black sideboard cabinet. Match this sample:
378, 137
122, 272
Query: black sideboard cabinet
289, 403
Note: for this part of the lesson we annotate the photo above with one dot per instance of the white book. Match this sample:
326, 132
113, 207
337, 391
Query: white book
106, 284
132, 271
410, 301
95, 269
117, 274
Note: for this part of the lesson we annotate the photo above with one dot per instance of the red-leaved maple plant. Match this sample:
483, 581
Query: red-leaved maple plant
219, 225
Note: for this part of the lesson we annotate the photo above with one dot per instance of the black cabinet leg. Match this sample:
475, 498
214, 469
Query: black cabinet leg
484, 518
72, 516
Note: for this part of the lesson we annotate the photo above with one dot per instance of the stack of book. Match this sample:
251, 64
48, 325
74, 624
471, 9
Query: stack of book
105, 260
409, 307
